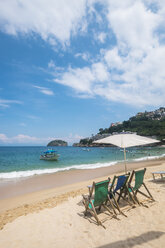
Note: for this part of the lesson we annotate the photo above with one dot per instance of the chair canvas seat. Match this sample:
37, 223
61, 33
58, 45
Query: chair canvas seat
139, 182
120, 189
100, 199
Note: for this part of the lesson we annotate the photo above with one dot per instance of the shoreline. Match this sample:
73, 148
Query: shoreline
40, 186
75, 184
10, 188
21, 186
28, 172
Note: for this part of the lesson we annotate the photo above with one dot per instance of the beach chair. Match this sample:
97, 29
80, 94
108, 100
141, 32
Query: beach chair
100, 190
119, 189
139, 182
160, 173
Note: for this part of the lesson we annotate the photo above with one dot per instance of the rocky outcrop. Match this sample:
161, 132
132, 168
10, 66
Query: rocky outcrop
57, 143
89, 142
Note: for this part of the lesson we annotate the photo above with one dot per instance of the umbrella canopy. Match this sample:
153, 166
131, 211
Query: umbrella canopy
125, 140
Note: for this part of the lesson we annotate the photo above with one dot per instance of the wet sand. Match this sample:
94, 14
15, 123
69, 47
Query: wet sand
18, 187
47, 211
38, 192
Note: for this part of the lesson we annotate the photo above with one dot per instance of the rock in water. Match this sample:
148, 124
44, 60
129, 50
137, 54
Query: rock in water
57, 143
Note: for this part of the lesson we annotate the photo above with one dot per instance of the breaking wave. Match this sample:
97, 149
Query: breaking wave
30, 173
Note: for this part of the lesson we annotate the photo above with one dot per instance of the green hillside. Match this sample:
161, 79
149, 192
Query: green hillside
141, 126
144, 123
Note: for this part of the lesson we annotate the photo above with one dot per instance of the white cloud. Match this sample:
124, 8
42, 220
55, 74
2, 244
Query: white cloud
83, 79
47, 92
23, 139
121, 79
44, 90
132, 71
101, 37
133, 25
51, 64
7, 103
4, 138
100, 72
84, 56
26, 139
78, 79
53, 69
113, 59
51, 19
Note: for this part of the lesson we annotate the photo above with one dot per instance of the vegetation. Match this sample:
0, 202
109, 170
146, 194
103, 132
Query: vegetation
142, 126
57, 143
86, 141
146, 124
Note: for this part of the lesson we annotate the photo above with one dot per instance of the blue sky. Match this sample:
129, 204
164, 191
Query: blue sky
68, 67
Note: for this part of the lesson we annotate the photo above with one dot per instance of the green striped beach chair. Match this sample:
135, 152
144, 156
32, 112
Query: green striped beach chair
100, 198
139, 182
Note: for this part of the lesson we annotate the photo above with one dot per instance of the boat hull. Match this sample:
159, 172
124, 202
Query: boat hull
53, 158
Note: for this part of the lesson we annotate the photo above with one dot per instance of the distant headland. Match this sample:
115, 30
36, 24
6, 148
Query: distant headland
149, 124
57, 143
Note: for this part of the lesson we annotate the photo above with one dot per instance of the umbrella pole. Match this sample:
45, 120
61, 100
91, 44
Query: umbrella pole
125, 161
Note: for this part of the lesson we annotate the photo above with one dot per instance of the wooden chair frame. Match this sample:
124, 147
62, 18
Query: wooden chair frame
134, 190
87, 200
124, 189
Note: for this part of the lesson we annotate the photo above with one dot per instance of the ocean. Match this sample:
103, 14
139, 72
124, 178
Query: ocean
20, 162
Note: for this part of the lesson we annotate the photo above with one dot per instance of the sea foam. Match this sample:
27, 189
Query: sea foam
30, 173
149, 158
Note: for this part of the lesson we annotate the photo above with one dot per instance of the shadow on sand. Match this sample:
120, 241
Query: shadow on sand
136, 240
159, 181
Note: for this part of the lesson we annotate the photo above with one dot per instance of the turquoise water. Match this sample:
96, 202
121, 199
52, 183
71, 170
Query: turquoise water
17, 162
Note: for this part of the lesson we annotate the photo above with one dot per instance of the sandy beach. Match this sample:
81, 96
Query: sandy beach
47, 211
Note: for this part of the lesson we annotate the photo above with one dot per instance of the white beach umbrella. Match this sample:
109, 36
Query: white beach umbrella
125, 140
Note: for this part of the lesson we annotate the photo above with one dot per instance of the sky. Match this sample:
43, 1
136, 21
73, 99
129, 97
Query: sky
69, 68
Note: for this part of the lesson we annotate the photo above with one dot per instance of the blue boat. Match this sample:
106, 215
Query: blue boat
50, 155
